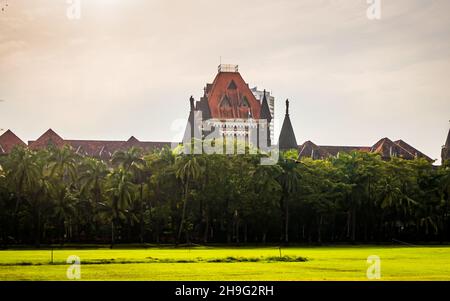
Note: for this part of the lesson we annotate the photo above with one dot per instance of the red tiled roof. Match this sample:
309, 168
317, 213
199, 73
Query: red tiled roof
228, 95
311, 150
8, 140
103, 149
334, 150
387, 149
47, 139
413, 150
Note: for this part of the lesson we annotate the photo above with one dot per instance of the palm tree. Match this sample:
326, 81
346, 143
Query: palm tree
188, 171
92, 179
22, 173
132, 161
128, 159
289, 181
120, 191
268, 191
62, 164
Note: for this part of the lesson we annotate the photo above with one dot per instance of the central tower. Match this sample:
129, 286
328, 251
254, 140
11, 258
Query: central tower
229, 107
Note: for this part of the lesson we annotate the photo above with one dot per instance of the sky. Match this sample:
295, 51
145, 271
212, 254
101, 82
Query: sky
128, 67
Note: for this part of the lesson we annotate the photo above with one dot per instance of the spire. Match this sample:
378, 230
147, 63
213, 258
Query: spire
447, 142
445, 154
287, 138
191, 100
265, 111
193, 124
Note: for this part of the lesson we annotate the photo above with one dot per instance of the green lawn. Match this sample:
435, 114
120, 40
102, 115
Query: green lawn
323, 263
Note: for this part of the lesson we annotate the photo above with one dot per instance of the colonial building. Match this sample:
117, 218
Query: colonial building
385, 147
102, 149
228, 110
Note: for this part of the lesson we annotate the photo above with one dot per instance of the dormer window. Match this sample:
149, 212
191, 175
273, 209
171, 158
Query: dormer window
232, 85
245, 102
225, 103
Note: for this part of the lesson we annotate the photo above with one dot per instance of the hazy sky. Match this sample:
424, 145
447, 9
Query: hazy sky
128, 67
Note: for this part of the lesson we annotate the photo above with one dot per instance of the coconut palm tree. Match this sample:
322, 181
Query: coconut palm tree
188, 171
92, 178
289, 180
120, 190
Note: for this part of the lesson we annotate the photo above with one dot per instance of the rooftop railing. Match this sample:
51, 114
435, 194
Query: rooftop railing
228, 68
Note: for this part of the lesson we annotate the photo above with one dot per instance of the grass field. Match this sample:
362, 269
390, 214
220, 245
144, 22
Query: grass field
225, 263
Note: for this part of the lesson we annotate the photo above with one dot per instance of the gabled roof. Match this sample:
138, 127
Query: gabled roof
47, 139
8, 140
132, 140
387, 149
311, 150
412, 150
102, 149
335, 150
232, 87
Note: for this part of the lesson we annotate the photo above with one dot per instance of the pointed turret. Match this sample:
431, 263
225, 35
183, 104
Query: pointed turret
287, 138
265, 115
265, 111
192, 129
445, 154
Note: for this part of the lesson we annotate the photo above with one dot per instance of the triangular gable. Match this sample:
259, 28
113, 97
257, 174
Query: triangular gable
232, 85
9, 140
49, 138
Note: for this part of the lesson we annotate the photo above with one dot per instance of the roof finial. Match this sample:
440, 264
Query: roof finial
287, 106
191, 100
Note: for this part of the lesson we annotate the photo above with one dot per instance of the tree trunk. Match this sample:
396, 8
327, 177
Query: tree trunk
112, 233
141, 236
205, 234
286, 225
245, 233
237, 231
319, 230
349, 217
183, 214
354, 225
38, 229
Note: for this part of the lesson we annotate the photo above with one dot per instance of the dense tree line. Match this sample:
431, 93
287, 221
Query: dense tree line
57, 196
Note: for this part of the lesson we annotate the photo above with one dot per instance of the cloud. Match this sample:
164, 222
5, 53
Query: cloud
129, 67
